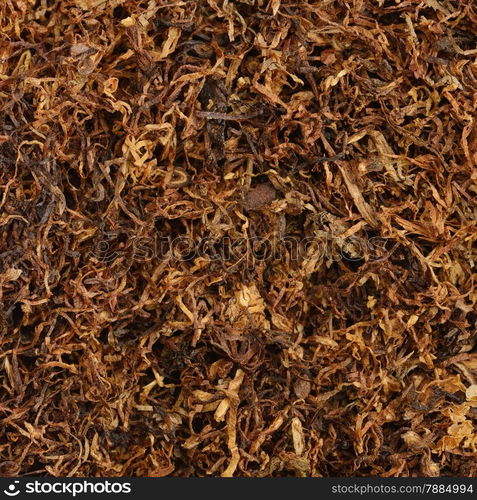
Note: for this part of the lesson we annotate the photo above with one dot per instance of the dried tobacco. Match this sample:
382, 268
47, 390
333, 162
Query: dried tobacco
238, 238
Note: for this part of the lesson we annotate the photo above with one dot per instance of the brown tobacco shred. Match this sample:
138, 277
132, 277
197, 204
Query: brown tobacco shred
238, 238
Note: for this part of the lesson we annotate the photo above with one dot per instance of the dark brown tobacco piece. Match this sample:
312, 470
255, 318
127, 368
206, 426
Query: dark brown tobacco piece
238, 238
259, 196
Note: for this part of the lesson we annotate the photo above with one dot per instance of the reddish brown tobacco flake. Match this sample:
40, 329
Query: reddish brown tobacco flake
259, 197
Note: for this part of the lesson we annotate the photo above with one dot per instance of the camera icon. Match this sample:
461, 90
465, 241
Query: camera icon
12, 490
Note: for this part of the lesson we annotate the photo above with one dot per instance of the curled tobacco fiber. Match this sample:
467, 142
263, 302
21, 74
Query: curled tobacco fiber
238, 238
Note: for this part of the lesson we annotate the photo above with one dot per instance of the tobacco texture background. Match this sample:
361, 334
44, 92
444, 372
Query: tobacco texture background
238, 238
